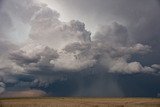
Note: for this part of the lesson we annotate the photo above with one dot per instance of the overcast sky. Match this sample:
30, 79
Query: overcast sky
80, 48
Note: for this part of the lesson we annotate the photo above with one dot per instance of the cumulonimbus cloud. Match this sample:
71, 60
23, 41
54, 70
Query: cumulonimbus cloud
55, 46
75, 48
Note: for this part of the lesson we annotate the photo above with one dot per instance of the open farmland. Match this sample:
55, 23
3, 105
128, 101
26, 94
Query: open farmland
80, 102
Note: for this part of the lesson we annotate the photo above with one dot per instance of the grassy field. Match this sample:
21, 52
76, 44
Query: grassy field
80, 102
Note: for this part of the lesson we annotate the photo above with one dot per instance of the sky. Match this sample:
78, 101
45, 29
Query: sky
100, 48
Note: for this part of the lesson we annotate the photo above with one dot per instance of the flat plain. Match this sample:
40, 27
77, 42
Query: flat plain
80, 102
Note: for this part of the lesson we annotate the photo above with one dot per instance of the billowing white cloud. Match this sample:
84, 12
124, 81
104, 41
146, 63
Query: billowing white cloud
120, 65
48, 30
156, 66
37, 57
114, 44
57, 45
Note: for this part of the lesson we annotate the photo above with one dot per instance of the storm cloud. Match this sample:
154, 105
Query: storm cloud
55, 52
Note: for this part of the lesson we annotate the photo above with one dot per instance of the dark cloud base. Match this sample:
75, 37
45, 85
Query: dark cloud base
105, 85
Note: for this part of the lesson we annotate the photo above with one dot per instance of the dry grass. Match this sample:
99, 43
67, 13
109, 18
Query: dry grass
80, 102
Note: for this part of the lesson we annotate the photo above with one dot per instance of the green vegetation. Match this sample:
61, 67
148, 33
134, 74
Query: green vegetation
80, 102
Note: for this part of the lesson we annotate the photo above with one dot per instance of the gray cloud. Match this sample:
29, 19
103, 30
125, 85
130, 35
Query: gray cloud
1, 1
35, 59
2, 87
73, 43
62, 46
156, 66
6, 23
55, 48
116, 48
115, 33
6, 66
140, 17
22, 10
55, 33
